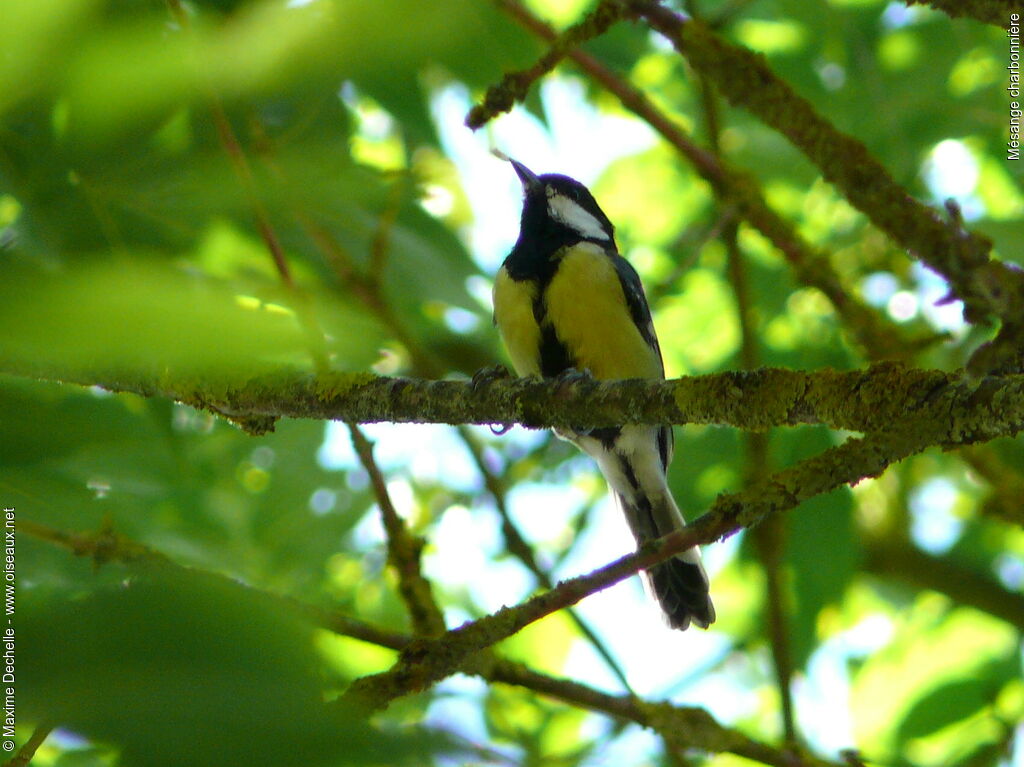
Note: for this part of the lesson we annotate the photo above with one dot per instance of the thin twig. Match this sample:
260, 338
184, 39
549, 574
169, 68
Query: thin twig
741, 192
243, 172
367, 291
769, 536
30, 746
380, 245
988, 288
514, 86
239, 162
403, 549
428, 661
517, 546
689, 246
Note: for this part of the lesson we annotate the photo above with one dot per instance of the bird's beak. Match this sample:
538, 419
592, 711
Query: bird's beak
526, 176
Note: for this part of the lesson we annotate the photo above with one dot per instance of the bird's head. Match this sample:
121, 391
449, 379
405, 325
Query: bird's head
553, 201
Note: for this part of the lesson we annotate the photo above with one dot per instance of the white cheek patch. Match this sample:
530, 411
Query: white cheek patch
568, 212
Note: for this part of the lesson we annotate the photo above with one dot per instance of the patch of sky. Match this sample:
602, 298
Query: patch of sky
934, 527
951, 172
575, 143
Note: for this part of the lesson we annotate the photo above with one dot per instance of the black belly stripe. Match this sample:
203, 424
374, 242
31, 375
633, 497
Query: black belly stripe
540, 309
554, 356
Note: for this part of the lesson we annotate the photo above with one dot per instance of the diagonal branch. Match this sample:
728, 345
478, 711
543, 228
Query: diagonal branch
107, 545
515, 85
403, 548
239, 163
426, 662
987, 287
688, 727
988, 11
29, 747
740, 191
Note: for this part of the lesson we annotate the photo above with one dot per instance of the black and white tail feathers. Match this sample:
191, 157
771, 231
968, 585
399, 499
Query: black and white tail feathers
679, 583
633, 460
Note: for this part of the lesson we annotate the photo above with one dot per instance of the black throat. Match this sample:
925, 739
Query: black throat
540, 238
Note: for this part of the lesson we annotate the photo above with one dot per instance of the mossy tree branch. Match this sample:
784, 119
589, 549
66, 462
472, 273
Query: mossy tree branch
741, 192
428, 661
515, 85
682, 727
988, 11
873, 399
988, 288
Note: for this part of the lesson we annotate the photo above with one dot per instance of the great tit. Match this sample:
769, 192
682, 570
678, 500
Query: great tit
564, 301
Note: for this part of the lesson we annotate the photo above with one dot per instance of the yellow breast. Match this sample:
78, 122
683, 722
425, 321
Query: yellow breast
585, 304
588, 309
513, 314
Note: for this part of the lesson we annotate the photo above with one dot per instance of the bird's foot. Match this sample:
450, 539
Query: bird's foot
488, 375
571, 376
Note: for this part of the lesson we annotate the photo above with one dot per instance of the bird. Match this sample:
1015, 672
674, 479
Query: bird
566, 303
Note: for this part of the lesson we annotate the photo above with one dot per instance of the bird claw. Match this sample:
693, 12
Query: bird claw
488, 375
574, 376
571, 377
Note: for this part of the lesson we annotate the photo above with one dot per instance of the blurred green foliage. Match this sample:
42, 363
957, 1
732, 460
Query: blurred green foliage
131, 240
180, 661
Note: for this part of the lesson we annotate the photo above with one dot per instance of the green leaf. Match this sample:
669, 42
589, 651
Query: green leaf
144, 316
40, 35
173, 669
931, 649
821, 554
956, 699
47, 422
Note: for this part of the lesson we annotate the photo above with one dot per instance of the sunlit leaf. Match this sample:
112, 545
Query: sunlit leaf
146, 316
956, 700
